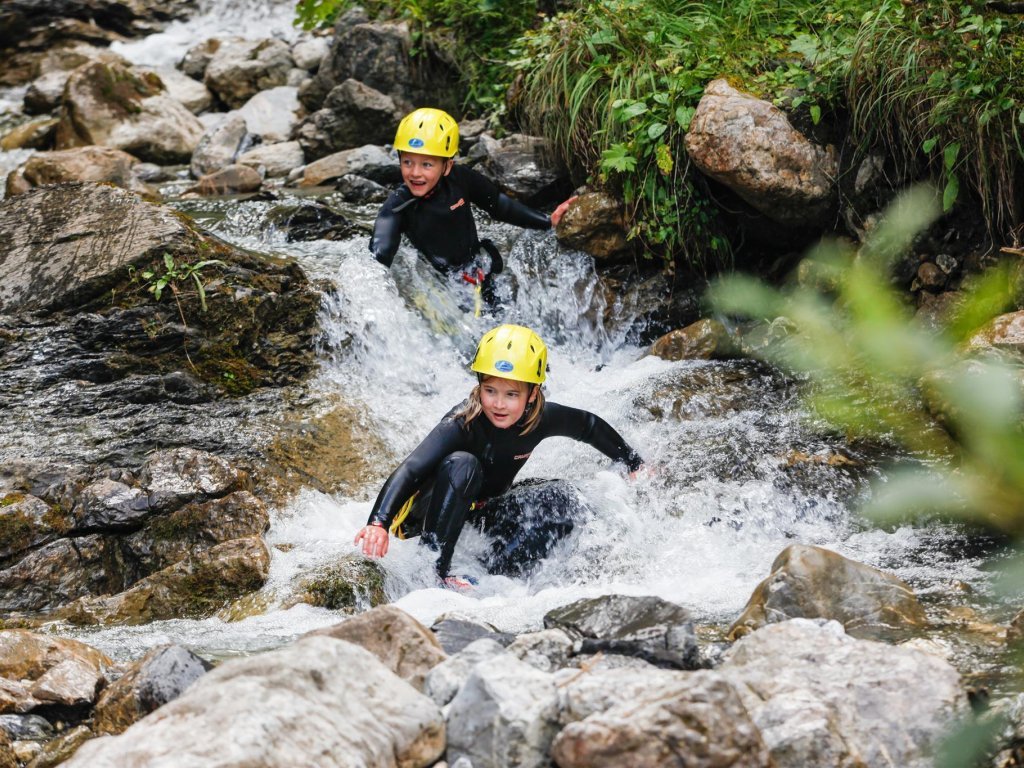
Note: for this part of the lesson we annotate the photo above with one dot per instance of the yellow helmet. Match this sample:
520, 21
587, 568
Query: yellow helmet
428, 131
512, 352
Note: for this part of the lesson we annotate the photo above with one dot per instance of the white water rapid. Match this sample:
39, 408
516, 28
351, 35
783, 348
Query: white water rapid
722, 499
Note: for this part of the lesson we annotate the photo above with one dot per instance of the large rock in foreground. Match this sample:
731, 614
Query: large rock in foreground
317, 702
822, 697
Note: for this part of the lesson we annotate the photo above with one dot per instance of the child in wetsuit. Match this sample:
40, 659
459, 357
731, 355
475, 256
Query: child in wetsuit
461, 470
433, 207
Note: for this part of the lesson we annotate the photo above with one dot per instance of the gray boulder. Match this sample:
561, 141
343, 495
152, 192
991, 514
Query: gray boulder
317, 702
653, 629
239, 69
353, 114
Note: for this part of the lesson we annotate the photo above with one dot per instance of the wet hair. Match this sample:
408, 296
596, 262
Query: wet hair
474, 407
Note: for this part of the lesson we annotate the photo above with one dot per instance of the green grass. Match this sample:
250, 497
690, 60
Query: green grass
613, 84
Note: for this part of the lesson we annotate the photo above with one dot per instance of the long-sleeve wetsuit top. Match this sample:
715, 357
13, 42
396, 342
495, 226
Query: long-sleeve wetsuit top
501, 452
441, 225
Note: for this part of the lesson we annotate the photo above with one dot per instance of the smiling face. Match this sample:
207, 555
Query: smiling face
504, 400
422, 172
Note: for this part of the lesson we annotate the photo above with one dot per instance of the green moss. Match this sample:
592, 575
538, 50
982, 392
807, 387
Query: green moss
16, 529
11, 498
344, 587
177, 525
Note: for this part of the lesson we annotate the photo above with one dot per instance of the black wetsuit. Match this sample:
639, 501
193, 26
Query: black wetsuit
457, 467
441, 225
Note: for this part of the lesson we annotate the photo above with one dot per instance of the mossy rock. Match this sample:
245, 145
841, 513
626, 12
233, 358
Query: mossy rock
351, 585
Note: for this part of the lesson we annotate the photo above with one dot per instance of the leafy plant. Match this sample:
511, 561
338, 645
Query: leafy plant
175, 275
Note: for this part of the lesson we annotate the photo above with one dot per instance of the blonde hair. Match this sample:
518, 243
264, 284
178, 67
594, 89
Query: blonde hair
474, 407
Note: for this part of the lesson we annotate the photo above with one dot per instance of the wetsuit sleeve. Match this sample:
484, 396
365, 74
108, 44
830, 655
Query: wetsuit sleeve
484, 193
387, 230
591, 429
418, 467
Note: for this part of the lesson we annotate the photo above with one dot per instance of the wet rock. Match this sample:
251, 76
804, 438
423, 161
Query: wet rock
351, 585
524, 167
699, 718
369, 161
750, 146
454, 633
56, 671
107, 505
93, 164
812, 582
197, 58
196, 527
55, 574
304, 700
56, 751
931, 277
505, 714
26, 522
657, 302
309, 52
230, 180
377, 55
115, 106
192, 94
37, 134
273, 160
547, 650
219, 145
704, 340
160, 676
26, 727
173, 477
650, 628
315, 221
72, 683
44, 95
1005, 332
833, 702
91, 231
596, 224
272, 114
193, 588
239, 69
445, 679
356, 189
8, 757
353, 114
401, 643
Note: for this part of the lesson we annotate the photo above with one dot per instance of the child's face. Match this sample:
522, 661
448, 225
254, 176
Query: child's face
422, 172
505, 400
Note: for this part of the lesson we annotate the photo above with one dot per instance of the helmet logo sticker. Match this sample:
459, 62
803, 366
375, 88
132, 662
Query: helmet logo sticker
504, 366
416, 143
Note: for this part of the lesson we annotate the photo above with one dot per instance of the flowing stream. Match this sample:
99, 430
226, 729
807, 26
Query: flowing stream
739, 472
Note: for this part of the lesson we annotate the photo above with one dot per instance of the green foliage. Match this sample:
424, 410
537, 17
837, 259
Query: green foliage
939, 84
875, 370
615, 85
174, 276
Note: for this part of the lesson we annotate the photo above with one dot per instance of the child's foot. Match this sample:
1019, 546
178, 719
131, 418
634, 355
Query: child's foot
459, 583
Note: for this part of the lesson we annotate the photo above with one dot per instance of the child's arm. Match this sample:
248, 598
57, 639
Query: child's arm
484, 193
410, 475
387, 229
590, 428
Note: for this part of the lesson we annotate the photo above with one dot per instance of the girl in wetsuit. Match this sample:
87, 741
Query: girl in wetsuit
461, 470
433, 207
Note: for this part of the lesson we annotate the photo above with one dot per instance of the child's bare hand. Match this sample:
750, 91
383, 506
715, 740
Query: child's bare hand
374, 540
556, 215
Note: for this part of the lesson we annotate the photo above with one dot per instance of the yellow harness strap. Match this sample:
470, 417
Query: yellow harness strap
396, 524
